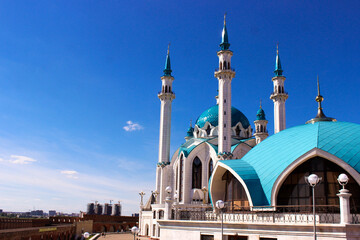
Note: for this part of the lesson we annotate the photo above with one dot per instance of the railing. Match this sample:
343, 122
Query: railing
266, 214
229, 69
274, 93
161, 92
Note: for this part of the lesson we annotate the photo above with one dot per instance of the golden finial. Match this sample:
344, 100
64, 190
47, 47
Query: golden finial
319, 98
277, 48
260, 103
225, 19
168, 51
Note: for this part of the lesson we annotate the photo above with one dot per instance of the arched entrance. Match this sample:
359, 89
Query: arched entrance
296, 192
235, 195
146, 230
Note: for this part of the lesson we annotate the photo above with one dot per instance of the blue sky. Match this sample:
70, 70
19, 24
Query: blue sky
73, 73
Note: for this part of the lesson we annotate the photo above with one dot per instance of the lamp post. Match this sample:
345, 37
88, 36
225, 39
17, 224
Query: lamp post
134, 230
220, 205
313, 180
344, 198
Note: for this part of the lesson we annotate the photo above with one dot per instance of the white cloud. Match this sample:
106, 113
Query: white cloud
70, 173
16, 159
131, 126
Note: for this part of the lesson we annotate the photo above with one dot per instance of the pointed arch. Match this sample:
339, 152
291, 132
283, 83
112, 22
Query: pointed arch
225, 65
181, 172
211, 168
196, 173
229, 65
305, 157
166, 89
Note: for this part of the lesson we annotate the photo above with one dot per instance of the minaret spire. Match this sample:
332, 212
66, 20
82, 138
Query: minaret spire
320, 116
261, 132
279, 95
278, 70
167, 70
224, 45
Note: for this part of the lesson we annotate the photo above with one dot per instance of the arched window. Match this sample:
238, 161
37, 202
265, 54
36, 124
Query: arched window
176, 178
169, 89
161, 214
228, 65
225, 65
211, 167
238, 131
208, 129
279, 89
282, 89
295, 191
196, 173
181, 178
220, 66
235, 194
165, 88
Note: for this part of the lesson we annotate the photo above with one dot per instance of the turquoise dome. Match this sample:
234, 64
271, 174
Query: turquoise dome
260, 115
189, 132
263, 164
212, 116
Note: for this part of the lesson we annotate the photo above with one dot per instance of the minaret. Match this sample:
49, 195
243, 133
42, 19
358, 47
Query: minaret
224, 74
260, 126
189, 133
320, 116
279, 96
166, 96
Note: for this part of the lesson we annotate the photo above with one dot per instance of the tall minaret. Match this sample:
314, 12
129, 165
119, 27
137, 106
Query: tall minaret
224, 74
166, 96
279, 96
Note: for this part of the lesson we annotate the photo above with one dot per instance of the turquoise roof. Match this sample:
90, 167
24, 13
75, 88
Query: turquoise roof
224, 45
278, 70
212, 116
260, 115
167, 70
265, 162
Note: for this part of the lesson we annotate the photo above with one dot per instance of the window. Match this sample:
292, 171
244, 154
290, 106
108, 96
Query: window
228, 65
154, 230
161, 214
196, 173
208, 129
154, 214
225, 65
295, 191
224, 112
207, 237
211, 167
181, 178
165, 88
224, 137
224, 100
238, 131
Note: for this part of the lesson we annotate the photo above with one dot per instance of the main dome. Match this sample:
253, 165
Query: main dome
212, 116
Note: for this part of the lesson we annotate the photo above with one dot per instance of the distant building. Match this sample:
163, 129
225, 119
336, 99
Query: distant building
116, 211
107, 209
52, 213
37, 213
98, 209
90, 209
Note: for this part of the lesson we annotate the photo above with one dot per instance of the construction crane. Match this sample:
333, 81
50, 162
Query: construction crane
95, 202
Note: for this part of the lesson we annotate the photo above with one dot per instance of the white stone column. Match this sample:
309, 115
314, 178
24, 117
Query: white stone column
345, 215
168, 205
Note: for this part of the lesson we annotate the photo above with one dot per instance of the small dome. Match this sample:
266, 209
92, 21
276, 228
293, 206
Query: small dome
260, 115
190, 131
212, 116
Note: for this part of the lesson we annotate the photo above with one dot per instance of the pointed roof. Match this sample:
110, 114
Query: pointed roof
260, 115
167, 70
224, 45
278, 70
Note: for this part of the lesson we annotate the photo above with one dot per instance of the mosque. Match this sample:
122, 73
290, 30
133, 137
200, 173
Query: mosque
260, 179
